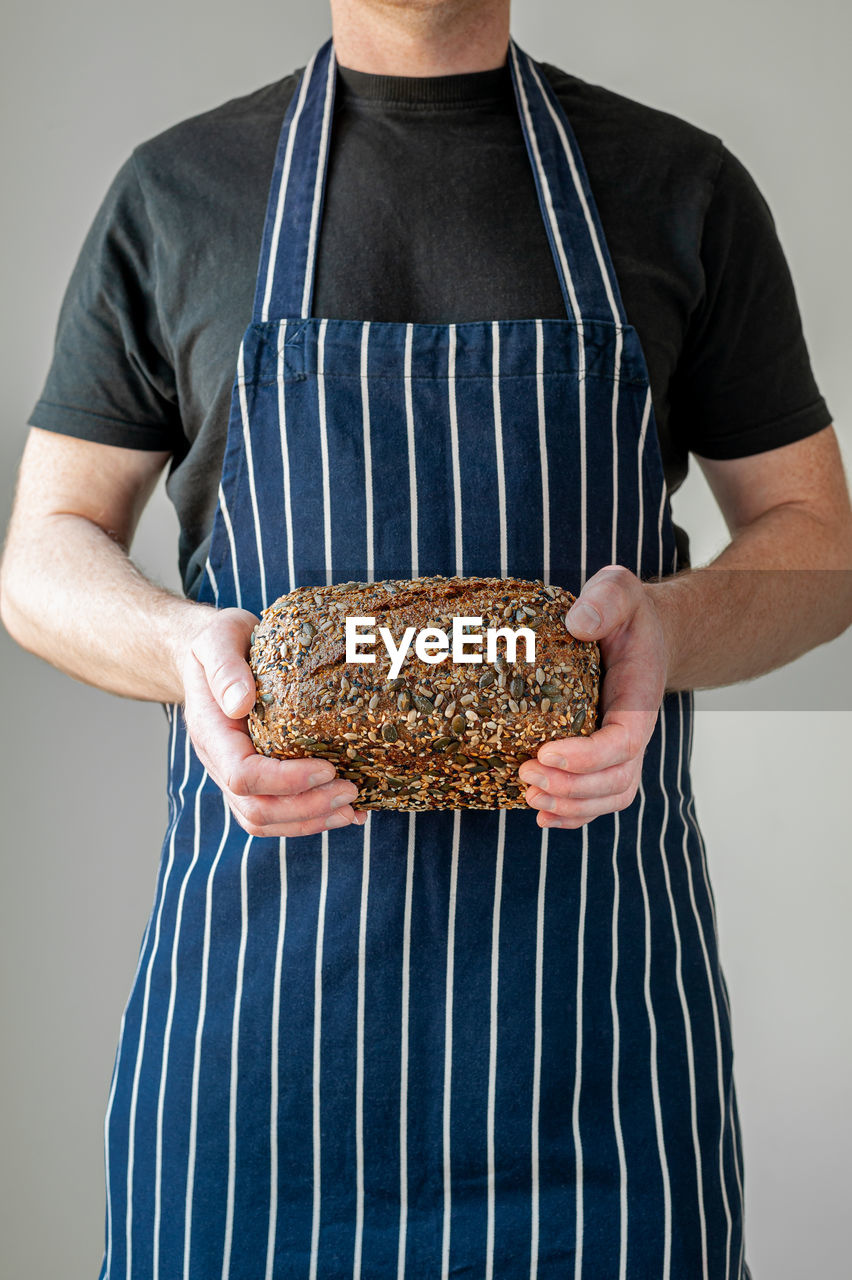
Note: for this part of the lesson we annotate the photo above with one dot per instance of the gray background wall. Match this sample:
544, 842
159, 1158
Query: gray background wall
82, 773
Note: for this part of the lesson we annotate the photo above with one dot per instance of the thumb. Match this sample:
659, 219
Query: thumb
222, 650
608, 599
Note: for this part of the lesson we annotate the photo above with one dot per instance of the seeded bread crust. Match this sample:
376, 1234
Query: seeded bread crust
440, 736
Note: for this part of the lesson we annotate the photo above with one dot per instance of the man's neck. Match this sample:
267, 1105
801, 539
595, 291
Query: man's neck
420, 37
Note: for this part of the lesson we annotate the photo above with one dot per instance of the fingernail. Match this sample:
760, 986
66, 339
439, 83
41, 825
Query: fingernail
321, 776
233, 696
360, 818
337, 820
553, 761
346, 797
545, 802
533, 778
583, 616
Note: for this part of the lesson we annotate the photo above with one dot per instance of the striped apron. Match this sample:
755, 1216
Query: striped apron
450, 1043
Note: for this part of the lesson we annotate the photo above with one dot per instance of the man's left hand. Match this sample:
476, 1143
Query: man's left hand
576, 779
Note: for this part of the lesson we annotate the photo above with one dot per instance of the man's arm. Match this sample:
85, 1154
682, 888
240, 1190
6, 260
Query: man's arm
781, 586
70, 594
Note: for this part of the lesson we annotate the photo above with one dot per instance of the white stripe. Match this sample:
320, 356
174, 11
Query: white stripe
368, 456
498, 446
199, 1031
412, 464
285, 455
542, 452
569, 284
660, 527
167, 1034
226, 515
492, 1043
616, 1056
282, 189
578, 1061
241, 383
403, 1081
713, 1004
684, 1007
619, 343
741, 1259
448, 1042
315, 1223
690, 812
359, 1060
652, 1023
584, 486
214, 584
235, 1048
326, 483
536, 1095
454, 444
273, 1064
581, 195
318, 183
646, 414
171, 712
134, 1097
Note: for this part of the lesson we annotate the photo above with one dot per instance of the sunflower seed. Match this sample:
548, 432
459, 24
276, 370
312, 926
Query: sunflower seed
579, 719
539, 675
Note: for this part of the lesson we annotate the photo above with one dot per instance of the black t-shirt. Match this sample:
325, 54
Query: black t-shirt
430, 216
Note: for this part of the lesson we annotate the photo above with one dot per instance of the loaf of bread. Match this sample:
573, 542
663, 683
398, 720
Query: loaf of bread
437, 735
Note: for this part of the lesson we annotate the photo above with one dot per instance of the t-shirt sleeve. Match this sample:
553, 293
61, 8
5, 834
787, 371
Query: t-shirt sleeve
111, 378
744, 383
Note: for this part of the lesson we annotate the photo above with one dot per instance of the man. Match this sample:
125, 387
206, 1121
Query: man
444, 149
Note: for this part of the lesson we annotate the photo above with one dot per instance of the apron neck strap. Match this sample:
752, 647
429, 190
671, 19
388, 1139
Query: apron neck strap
285, 279
577, 242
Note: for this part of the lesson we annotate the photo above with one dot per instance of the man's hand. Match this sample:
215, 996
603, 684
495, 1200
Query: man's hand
267, 797
585, 777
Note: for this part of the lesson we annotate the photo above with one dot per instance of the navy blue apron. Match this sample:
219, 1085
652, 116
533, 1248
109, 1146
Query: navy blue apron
451, 1043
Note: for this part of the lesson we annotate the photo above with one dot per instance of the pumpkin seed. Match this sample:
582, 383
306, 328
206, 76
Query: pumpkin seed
552, 691
423, 704
393, 685
459, 724
486, 679
516, 688
389, 733
579, 719
404, 701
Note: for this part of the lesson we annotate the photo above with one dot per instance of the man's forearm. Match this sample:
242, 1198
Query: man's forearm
782, 586
71, 595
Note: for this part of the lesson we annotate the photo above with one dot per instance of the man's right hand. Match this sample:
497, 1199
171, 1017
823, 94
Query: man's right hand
267, 797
